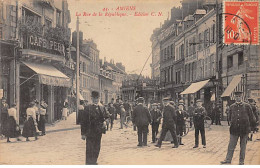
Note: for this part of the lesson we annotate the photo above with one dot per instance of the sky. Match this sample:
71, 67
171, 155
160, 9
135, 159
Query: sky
124, 39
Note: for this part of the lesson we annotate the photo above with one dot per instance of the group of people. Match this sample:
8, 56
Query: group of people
33, 126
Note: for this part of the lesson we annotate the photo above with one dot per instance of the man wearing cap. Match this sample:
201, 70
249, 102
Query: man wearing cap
4, 115
92, 127
112, 112
242, 118
169, 122
199, 114
255, 112
156, 119
141, 118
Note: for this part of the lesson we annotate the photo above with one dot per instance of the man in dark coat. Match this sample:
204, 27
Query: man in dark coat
156, 119
112, 112
169, 123
92, 127
199, 115
141, 118
117, 108
242, 119
217, 112
191, 109
4, 115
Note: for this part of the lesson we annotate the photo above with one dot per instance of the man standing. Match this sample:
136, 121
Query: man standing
92, 127
156, 119
242, 118
217, 112
169, 123
4, 115
141, 118
199, 115
112, 112
117, 107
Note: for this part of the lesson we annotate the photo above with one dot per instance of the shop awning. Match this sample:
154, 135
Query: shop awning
232, 86
49, 75
194, 87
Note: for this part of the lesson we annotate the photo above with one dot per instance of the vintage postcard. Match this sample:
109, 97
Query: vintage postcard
129, 82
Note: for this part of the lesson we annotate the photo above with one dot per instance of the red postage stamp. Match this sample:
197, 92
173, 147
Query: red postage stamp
241, 22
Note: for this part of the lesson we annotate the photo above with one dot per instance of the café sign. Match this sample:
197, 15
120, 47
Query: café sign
47, 44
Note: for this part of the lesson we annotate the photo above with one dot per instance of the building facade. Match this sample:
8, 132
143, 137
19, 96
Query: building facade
39, 64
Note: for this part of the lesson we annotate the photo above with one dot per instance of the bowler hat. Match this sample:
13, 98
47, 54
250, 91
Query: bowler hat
95, 94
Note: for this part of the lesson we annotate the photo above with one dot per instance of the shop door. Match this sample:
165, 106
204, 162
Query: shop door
57, 103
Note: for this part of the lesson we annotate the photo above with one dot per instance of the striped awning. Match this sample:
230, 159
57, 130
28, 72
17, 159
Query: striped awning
236, 84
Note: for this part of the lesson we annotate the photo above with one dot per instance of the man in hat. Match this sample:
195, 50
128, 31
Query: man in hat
141, 118
180, 124
156, 119
199, 114
256, 113
92, 127
4, 115
169, 122
191, 109
112, 112
242, 118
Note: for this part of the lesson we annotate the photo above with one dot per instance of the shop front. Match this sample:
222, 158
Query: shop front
43, 81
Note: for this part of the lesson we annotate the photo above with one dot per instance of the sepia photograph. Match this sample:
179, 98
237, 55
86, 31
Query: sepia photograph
129, 82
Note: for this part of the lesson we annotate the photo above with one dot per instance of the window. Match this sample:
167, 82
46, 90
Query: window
240, 58
230, 61
172, 52
200, 40
165, 54
194, 45
58, 17
182, 51
1, 33
213, 33
28, 15
168, 52
47, 23
187, 48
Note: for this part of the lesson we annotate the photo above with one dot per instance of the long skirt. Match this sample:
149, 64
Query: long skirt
12, 129
42, 122
4, 118
64, 112
29, 129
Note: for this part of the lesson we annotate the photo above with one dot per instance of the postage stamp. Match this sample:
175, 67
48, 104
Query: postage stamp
241, 22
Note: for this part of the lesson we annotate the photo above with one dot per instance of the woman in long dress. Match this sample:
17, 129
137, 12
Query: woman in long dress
29, 129
42, 121
65, 110
12, 127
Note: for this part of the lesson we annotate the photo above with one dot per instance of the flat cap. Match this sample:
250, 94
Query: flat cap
140, 99
199, 100
238, 93
167, 98
95, 94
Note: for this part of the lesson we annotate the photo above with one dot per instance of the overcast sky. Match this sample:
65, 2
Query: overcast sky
125, 39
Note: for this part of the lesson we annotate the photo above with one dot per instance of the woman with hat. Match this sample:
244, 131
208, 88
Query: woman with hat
29, 129
42, 112
12, 127
180, 124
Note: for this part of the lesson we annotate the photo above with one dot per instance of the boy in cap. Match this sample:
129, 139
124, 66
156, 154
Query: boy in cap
199, 115
92, 127
141, 118
156, 119
242, 118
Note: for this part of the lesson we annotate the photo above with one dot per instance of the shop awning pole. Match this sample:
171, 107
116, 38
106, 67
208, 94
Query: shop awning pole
77, 73
28, 79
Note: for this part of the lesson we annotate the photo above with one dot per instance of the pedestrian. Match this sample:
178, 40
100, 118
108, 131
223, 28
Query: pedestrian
112, 112
12, 127
227, 113
42, 121
36, 107
191, 109
169, 123
65, 110
217, 112
242, 118
142, 119
127, 108
4, 116
255, 112
122, 116
92, 127
180, 124
156, 116
117, 107
80, 111
199, 115
30, 125
213, 113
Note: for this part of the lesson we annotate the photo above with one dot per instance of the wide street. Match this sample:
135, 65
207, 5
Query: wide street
63, 146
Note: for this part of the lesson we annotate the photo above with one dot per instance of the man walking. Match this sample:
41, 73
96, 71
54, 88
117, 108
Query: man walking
242, 118
199, 115
112, 112
141, 118
191, 109
92, 127
156, 119
169, 123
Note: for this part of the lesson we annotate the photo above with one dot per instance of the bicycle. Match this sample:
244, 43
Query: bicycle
207, 122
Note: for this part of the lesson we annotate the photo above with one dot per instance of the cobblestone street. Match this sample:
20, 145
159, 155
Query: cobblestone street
63, 145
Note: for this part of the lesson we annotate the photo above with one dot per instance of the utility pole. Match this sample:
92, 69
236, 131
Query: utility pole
217, 61
77, 72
